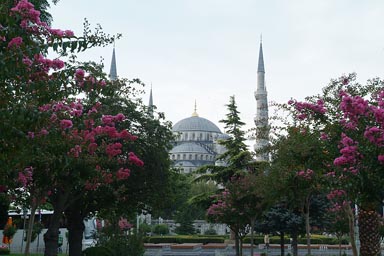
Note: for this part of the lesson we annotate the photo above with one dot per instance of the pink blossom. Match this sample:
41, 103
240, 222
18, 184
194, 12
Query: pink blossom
57, 64
134, 159
380, 158
27, 61
92, 148
15, 42
114, 149
108, 120
44, 132
124, 224
123, 174
119, 117
69, 33
66, 124
75, 151
79, 74
31, 135
102, 83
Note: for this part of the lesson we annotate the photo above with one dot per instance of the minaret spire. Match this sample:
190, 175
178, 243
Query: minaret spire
113, 70
195, 111
261, 118
150, 104
260, 67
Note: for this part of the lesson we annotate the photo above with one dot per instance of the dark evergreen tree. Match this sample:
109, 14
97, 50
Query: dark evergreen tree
236, 158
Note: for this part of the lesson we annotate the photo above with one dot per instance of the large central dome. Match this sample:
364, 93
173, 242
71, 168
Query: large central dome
195, 123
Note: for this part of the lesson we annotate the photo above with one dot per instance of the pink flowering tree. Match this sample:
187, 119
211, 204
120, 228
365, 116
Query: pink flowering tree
239, 206
54, 144
352, 127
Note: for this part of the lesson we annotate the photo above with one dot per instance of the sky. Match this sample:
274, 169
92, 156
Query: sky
207, 50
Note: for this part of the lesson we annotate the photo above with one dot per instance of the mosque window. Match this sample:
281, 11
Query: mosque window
178, 157
201, 157
201, 136
173, 157
185, 136
184, 157
193, 136
190, 169
196, 156
190, 156
206, 157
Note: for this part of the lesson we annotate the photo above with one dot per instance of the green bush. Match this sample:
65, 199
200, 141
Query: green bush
97, 251
210, 231
161, 229
4, 251
122, 244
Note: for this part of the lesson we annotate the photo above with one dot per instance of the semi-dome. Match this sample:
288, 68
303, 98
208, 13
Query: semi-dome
189, 148
195, 123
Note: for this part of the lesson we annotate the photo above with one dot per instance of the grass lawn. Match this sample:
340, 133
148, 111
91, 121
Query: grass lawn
34, 254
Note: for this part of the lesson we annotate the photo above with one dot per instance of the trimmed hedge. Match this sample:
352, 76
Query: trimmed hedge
184, 239
4, 251
316, 239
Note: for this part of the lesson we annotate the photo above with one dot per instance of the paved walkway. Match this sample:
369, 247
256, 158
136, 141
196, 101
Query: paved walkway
197, 249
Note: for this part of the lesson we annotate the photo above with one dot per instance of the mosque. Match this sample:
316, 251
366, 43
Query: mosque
197, 138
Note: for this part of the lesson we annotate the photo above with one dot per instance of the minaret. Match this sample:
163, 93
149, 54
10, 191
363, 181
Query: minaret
113, 71
261, 118
150, 103
195, 111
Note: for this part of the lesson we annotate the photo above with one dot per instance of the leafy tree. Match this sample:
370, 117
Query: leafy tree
185, 218
281, 220
296, 171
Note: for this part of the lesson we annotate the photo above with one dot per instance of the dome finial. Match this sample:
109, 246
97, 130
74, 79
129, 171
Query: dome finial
195, 111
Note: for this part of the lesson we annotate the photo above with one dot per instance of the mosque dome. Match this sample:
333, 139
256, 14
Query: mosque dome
189, 148
195, 123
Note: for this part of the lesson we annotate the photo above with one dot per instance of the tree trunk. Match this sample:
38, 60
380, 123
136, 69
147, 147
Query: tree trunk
294, 236
252, 234
369, 232
31, 221
282, 243
52, 234
75, 230
351, 223
237, 244
307, 227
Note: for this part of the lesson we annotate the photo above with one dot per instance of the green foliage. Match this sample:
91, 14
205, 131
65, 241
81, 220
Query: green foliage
210, 231
36, 230
120, 243
236, 159
4, 206
144, 228
10, 231
97, 251
4, 251
160, 229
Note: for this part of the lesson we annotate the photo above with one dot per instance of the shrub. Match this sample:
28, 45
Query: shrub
210, 231
97, 251
122, 244
4, 251
161, 229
